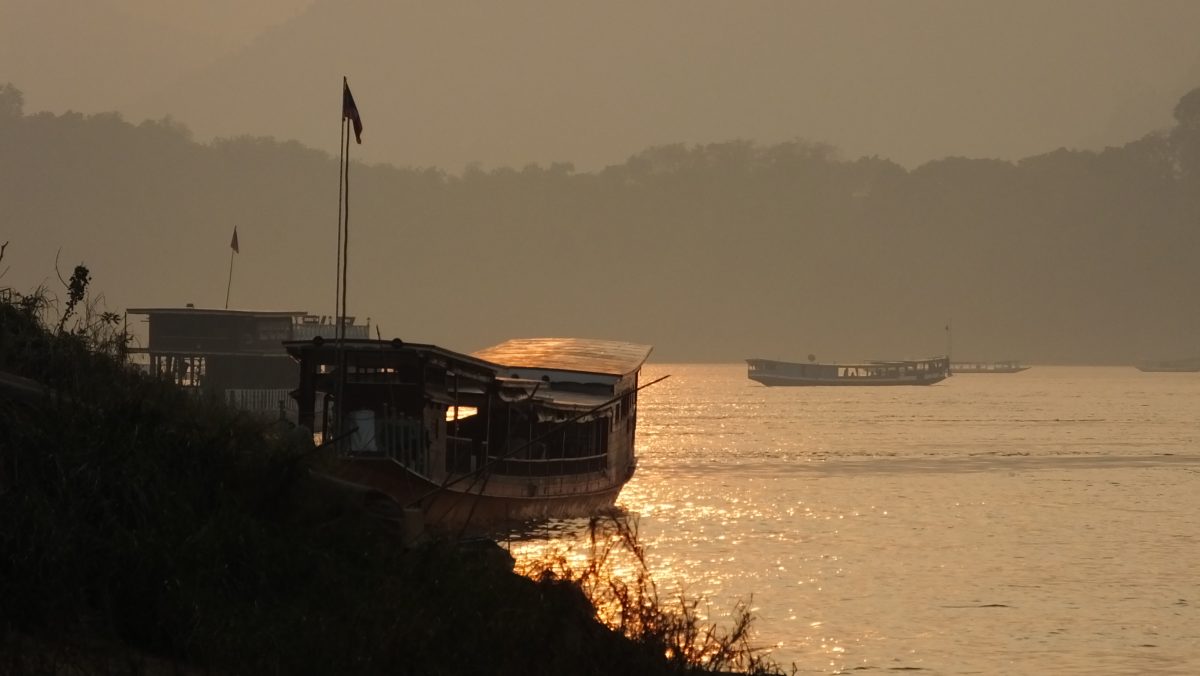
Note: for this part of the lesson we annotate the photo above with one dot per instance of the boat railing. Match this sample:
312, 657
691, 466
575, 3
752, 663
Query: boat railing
403, 439
328, 330
263, 401
548, 466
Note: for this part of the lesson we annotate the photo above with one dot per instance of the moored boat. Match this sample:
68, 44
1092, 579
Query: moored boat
772, 373
528, 429
987, 367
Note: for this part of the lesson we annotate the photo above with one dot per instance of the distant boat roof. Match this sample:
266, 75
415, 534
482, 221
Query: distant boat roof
850, 364
606, 357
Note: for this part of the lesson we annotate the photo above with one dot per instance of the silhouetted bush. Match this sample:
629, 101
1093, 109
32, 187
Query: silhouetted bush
629, 601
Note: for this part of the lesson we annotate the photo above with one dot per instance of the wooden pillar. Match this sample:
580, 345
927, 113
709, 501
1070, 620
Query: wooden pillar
305, 394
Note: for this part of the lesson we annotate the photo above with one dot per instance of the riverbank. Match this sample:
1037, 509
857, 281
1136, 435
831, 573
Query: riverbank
145, 527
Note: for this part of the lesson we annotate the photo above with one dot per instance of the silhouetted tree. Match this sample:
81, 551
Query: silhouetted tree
1186, 134
12, 101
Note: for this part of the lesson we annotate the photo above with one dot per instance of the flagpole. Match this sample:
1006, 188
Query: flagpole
229, 284
340, 311
337, 293
345, 231
350, 120
341, 328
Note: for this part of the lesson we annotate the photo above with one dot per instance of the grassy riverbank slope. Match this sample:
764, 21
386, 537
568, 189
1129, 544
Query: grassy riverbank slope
144, 527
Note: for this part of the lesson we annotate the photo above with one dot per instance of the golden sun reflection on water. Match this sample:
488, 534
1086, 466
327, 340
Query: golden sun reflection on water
962, 527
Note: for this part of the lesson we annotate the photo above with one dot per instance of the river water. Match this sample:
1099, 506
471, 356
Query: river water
1040, 522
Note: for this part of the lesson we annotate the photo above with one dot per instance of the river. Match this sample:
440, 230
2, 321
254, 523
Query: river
1040, 522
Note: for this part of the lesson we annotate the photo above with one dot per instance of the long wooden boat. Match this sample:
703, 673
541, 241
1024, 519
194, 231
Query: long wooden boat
1186, 365
528, 429
987, 367
904, 372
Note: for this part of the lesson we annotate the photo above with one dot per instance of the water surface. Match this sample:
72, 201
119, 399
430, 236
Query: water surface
1040, 522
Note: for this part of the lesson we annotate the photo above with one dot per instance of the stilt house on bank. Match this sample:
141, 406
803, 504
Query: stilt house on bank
233, 355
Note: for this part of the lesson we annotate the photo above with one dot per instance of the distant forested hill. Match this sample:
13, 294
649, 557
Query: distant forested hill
710, 252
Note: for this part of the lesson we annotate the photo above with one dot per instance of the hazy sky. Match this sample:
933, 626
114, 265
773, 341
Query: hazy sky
1029, 261
507, 83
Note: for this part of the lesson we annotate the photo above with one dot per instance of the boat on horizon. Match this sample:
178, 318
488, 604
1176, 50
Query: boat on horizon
1009, 366
1185, 365
525, 430
773, 373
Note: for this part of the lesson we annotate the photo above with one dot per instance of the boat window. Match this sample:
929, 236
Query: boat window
460, 412
185, 371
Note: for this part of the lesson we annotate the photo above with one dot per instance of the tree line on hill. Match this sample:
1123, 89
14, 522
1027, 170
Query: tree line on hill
711, 252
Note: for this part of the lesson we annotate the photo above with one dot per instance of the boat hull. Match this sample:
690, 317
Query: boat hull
1186, 365
774, 373
1004, 369
476, 503
785, 381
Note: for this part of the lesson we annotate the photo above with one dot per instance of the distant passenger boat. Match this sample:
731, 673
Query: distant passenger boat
905, 372
987, 367
1188, 365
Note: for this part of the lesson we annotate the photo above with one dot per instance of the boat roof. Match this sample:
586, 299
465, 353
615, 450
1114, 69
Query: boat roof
850, 364
208, 311
386, 349
585, 355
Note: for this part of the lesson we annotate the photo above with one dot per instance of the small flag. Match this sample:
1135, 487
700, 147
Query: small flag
233, 244
350, 111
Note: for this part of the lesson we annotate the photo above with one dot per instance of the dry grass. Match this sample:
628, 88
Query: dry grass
616, 578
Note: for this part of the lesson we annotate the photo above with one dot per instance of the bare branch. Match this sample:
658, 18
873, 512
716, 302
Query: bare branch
56, 270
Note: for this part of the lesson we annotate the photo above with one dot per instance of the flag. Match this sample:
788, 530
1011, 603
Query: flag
233, 243
350, 111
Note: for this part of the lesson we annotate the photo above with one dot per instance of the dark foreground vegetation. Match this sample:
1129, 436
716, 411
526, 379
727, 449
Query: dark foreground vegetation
145, 531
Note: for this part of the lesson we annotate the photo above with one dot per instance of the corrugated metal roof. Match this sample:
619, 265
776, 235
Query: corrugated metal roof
608, 357
325, 351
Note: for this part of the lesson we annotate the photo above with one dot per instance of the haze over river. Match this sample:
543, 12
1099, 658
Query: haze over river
1040, 522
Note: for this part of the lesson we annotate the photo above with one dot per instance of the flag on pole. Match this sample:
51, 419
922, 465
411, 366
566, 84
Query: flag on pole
350, 111
233, 244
